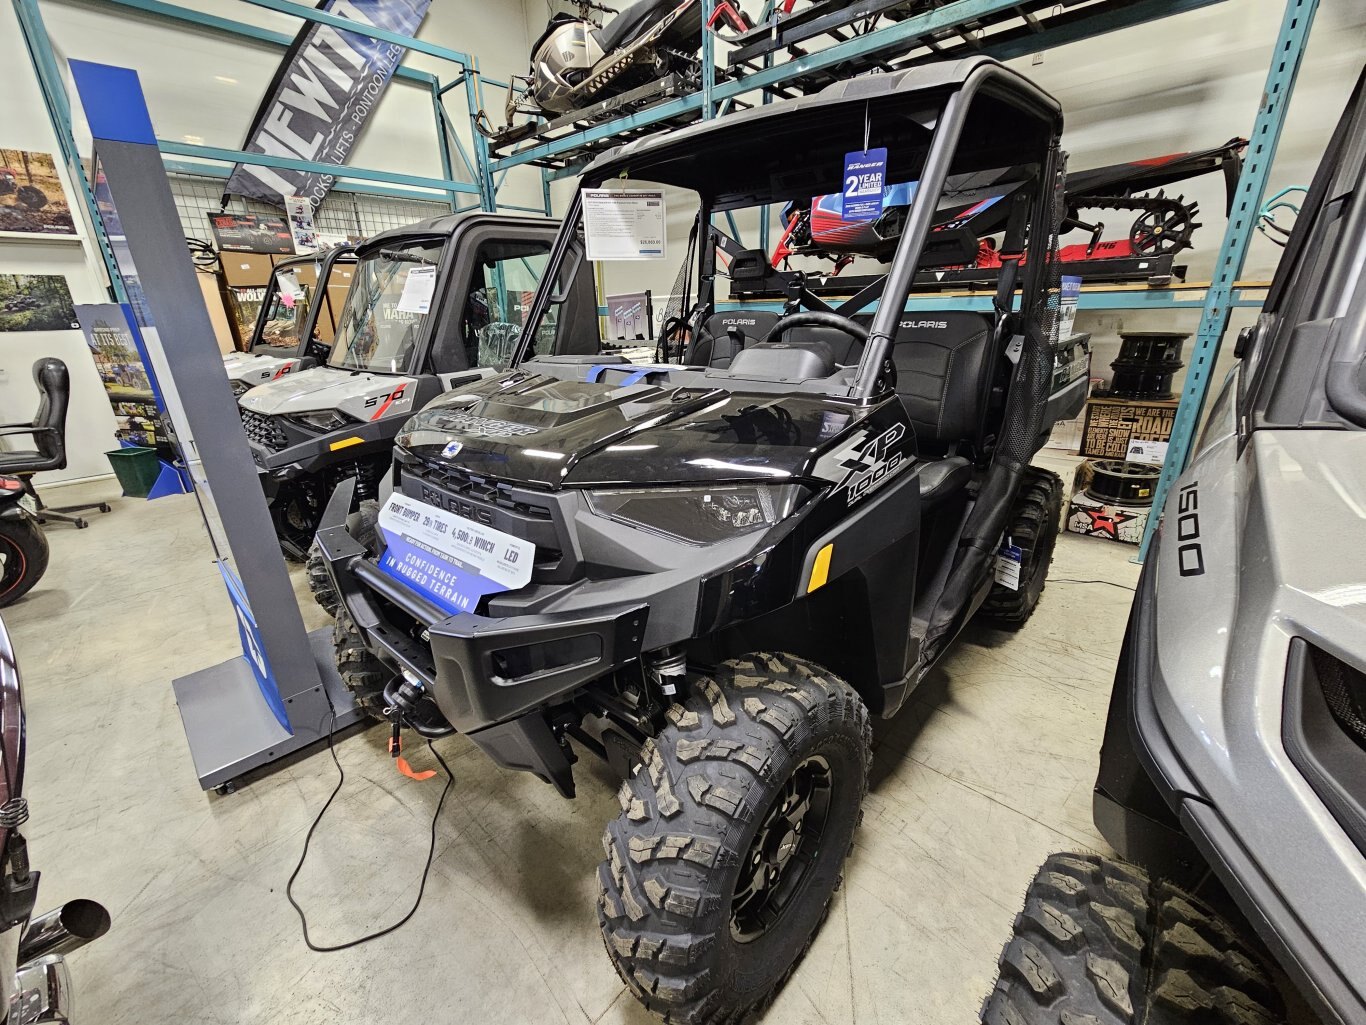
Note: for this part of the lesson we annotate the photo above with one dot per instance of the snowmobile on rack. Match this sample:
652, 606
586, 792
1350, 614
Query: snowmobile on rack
577, 63
297, 321
1161, 228
433, 306
713, 572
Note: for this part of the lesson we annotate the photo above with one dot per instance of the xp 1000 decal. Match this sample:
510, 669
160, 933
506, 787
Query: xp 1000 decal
864, 464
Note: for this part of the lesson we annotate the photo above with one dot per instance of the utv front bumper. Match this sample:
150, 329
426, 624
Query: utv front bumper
480, 670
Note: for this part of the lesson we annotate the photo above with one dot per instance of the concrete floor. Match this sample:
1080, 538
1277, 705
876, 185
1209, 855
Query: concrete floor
987, 772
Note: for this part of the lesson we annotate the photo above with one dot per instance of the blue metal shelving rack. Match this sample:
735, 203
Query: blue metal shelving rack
911, 40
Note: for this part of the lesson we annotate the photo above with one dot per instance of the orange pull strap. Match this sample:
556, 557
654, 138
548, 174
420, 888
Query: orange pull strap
395, 746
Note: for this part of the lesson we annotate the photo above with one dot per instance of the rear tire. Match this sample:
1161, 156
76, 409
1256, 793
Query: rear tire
732, 837
1034, 525
363, 526
24, 548
361, 672
1100, 943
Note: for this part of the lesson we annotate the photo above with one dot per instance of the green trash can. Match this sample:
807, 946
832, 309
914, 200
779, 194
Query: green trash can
136, 468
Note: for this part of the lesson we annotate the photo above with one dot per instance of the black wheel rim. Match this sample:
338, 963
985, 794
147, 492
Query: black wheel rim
783, 851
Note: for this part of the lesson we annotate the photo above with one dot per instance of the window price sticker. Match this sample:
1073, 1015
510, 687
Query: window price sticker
418, 288
622, 225
865, 174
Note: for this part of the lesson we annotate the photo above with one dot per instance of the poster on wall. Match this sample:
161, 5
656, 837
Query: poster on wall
328, 83
35, 302
251, 233
32, 202
299, 211
123, 374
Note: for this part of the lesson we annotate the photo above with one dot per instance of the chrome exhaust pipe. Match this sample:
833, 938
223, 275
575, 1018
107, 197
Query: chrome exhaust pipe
63, 930
44, 993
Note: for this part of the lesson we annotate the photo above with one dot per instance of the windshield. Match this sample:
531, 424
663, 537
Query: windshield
285, 310
387, 307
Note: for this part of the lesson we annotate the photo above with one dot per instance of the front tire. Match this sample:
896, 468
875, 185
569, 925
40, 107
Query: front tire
732, 837
361, 672
1034, 525
1100, 942
363, 525
24, 551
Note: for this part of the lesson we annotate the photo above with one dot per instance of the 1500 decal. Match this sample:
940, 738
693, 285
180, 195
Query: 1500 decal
1190, 557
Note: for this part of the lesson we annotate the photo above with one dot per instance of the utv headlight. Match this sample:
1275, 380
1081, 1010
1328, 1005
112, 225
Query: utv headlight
322, 420
696, 515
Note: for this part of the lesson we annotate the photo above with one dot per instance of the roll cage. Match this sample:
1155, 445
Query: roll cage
937, 120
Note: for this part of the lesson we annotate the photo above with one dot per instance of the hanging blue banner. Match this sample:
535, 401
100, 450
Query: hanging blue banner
328, 83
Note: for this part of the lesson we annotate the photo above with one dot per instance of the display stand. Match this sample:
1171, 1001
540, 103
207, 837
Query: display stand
283, 692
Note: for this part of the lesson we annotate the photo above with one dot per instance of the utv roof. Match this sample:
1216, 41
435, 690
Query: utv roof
445, 226
790, 148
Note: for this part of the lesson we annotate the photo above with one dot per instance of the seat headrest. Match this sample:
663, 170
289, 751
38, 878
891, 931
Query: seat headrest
756, 324
50, 375
942, 327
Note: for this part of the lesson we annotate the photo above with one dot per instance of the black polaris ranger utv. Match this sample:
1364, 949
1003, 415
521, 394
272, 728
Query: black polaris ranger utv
713, 572
433, 305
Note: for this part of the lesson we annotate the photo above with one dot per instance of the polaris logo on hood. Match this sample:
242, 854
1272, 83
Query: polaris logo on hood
484, 427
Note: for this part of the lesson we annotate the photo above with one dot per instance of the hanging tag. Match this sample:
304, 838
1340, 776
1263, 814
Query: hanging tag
1008, 562
865, 174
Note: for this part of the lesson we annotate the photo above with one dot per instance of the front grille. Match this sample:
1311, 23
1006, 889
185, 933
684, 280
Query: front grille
1344, 689
264, 430
458, 481
521, 513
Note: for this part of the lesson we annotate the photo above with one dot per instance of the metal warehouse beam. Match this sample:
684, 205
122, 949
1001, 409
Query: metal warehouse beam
228, 27
1286, 55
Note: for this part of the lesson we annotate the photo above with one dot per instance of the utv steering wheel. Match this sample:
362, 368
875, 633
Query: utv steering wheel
818, 318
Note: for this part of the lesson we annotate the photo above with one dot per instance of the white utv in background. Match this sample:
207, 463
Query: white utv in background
1234, 760
297, 321
433, 306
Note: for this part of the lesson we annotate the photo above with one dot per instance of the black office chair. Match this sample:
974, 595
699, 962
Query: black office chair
48, 429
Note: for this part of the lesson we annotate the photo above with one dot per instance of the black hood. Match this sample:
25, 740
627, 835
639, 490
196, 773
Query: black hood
538, 430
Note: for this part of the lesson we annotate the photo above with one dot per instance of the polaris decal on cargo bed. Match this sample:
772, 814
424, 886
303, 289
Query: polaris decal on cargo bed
868, 463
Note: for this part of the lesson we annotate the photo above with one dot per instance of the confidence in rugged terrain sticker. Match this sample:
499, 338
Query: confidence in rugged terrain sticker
450, 560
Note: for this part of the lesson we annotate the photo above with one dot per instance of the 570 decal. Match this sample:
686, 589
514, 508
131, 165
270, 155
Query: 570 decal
385, 401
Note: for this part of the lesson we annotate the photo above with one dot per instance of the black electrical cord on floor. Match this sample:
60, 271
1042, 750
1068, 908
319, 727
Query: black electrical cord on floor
422, 886
1073, 580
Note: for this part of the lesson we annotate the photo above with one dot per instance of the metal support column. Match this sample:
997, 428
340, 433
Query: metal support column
59, 114
708, 60
1261, 151
443, 141
474, 100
